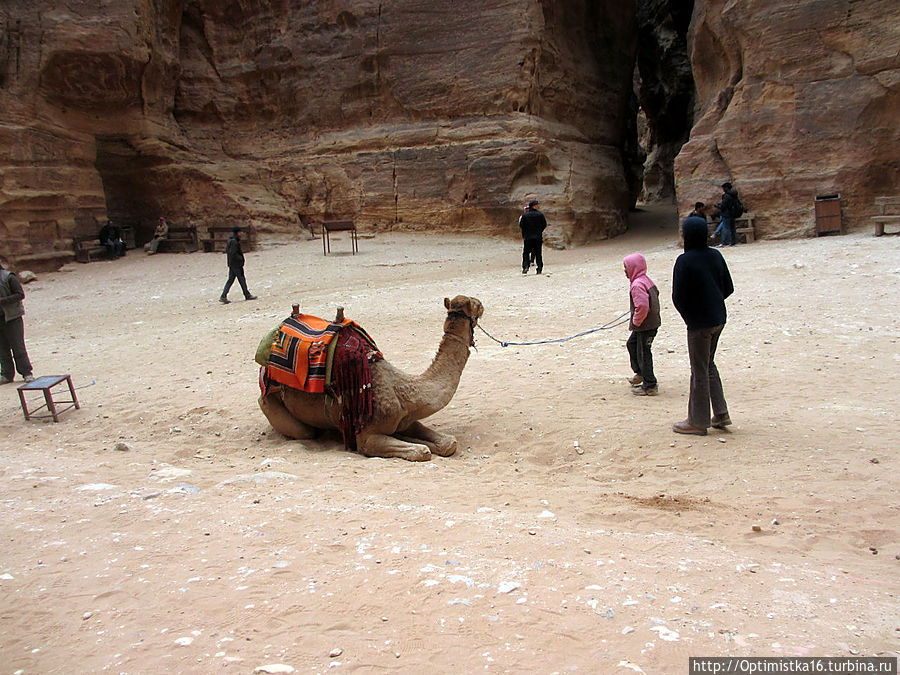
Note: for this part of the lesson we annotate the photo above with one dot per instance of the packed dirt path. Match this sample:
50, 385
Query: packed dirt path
571, 532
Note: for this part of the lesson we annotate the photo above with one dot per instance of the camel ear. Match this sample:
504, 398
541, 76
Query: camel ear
447, 303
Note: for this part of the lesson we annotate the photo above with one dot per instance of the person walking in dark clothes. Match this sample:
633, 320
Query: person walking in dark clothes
700, 283
12, 329
235, 257
728, 212
532, 223
644, 323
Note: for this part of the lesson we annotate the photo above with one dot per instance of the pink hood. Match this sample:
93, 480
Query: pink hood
636, 269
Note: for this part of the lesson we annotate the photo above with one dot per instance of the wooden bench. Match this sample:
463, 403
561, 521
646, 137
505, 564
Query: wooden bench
217, 239
745, 229
89, 249
329, 226
179, 240
888, 213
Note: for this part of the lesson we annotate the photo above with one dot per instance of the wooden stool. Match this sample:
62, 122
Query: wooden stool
45, 384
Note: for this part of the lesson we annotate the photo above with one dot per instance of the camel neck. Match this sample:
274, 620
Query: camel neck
442, 376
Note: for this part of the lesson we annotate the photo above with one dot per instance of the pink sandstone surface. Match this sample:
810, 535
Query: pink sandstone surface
433, 116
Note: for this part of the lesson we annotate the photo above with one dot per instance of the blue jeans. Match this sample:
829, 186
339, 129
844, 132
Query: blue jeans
725, 230
235, 273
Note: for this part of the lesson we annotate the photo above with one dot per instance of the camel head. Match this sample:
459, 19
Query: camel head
471, 308
463, 307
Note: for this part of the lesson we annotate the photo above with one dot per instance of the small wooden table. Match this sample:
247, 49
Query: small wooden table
330, 226
45, 384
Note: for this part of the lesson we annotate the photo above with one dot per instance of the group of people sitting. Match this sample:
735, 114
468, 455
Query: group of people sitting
110, 236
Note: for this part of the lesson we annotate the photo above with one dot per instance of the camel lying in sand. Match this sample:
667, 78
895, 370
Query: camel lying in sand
399, 400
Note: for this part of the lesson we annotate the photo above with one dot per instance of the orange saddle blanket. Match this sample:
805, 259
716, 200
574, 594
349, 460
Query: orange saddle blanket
303, 350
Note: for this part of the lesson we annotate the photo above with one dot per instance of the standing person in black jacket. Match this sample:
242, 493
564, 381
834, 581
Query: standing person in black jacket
235, 258
700, 284
728, 212
532, 223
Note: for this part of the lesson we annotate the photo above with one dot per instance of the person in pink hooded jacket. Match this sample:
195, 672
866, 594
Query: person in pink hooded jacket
643, 325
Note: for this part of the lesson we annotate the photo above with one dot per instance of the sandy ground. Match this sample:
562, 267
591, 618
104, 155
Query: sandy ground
571, 532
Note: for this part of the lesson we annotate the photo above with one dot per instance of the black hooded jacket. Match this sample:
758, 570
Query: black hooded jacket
700, 280
532, 223
234, 253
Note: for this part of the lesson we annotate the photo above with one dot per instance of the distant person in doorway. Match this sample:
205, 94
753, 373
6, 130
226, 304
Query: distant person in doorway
13, 355
235, 258
161, 232
700, 283
645, 321
532, 223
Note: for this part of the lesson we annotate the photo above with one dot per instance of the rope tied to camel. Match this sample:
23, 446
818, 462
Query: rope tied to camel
612, 323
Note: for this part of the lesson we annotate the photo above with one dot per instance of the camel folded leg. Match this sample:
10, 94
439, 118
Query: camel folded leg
282, 420
440, 444
379, 445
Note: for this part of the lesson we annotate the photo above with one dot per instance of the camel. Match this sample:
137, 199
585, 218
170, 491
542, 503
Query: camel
399, 400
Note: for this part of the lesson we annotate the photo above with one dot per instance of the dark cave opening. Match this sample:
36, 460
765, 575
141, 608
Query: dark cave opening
664, 96
123, 171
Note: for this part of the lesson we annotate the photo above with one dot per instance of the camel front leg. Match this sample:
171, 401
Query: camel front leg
440, 444
379, 445
282, 420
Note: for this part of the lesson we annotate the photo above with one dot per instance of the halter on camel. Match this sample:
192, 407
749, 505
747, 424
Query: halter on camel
473, 321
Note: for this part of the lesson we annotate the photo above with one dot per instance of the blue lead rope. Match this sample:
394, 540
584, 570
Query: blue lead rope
618, 321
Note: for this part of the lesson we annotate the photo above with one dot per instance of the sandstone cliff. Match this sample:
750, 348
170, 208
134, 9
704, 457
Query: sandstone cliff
407, 114
794, 100
424, 115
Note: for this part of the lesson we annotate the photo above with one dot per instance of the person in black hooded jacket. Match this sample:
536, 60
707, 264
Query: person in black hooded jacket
700, 283
235, 258
532, 223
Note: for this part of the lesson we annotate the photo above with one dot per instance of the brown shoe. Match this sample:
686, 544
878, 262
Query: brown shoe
645, 391
686, 427
636, 380
720, 421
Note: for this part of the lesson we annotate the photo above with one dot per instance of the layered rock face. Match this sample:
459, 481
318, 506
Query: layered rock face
406, 114
415, 114
794, 100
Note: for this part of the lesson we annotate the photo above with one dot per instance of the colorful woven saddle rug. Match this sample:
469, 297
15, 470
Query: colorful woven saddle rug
317, 356
303, 348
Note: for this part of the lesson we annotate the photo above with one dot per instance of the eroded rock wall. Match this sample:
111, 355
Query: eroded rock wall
794, 100
417, 114
70, 75
405, 114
